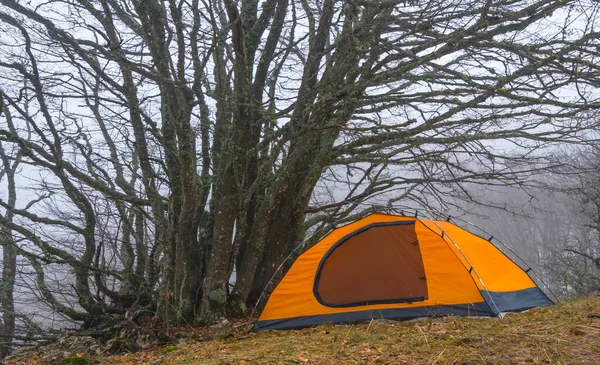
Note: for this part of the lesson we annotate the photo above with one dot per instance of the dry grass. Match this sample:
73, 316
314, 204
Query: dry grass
562, 334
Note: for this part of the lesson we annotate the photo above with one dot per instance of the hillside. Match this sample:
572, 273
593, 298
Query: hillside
568, 333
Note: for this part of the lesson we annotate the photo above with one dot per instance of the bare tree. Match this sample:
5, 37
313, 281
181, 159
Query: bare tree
175, 142
550, 221
581, 249
9, 252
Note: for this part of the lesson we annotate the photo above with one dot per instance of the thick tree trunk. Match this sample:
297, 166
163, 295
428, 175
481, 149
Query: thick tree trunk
7, 308
282, 215
239, 173
9, 262
214, 288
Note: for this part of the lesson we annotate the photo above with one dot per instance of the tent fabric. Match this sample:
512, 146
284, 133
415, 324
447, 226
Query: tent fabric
396, 267
352, 273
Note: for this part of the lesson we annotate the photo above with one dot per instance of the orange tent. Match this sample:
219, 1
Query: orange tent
395, 267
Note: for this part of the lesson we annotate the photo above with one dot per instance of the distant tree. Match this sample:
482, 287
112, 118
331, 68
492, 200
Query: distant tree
536, 222
169, 143
551, 221
581, 249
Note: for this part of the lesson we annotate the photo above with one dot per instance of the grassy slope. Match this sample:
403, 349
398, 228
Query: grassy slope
562, 334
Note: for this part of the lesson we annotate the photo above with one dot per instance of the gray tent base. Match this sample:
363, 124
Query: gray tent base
494, 304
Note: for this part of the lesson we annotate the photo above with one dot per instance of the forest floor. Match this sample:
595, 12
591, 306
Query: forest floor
567, 333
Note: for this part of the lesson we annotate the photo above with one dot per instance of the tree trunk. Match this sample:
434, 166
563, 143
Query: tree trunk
9, 269
9, 261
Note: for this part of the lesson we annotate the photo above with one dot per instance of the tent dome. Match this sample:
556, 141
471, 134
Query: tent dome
396, 267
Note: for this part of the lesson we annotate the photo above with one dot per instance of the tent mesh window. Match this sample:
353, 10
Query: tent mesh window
380, 263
